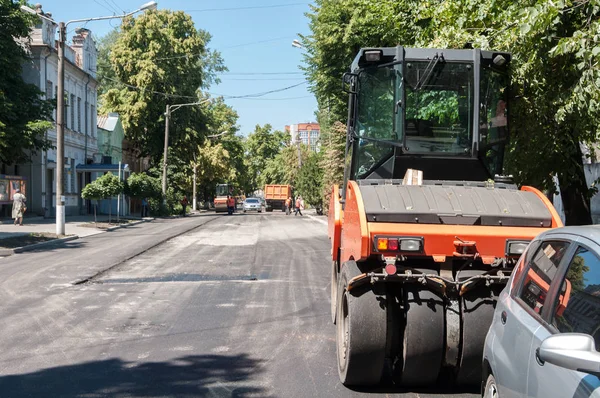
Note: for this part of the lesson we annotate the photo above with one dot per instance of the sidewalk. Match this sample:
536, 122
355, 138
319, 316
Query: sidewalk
48, 225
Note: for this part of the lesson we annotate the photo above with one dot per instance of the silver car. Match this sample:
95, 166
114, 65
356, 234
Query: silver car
546, 329
253, 204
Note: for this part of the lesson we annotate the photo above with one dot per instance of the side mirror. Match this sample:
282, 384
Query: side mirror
575, 351
349, 82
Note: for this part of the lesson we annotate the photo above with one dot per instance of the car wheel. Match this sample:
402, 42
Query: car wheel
491, 388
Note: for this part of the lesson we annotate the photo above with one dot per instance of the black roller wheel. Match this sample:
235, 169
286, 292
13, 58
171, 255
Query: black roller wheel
361, 329
477, 311
334, 290
424, 337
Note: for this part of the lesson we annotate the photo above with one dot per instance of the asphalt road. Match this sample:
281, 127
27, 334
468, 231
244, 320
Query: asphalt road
230, 306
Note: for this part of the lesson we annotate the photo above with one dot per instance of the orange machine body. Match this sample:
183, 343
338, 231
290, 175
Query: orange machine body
355, 241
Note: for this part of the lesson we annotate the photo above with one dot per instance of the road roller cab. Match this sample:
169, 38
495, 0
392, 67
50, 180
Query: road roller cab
425, 229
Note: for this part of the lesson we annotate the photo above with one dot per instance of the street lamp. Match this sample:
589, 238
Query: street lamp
172, 108
296, 43
60, 104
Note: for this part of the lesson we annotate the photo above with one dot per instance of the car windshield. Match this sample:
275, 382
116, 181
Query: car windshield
251, 200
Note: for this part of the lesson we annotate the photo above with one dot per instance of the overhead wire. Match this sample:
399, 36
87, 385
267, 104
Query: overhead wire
225, 96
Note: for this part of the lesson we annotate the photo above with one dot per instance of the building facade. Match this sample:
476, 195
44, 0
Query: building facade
81, 146
307, 133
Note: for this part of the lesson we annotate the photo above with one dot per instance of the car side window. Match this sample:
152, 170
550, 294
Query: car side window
577, 307
540, 273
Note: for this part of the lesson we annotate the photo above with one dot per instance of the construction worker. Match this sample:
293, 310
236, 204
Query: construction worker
230, 204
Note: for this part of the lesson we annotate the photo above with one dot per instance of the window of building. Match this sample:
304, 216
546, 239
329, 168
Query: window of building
79, 114
49, 90
73, 174
72, 105
92, 120
86, 117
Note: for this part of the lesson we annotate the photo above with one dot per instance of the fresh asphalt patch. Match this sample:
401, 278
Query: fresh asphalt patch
99, 274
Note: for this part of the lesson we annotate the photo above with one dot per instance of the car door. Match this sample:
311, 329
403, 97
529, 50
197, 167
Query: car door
575, 309
520, 318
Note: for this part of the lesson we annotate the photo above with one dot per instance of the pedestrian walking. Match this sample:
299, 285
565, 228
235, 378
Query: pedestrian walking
298, 205
184, 203
19, 207
144, 207
288, 206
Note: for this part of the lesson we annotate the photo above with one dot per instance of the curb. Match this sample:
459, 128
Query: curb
9, 252
127, 225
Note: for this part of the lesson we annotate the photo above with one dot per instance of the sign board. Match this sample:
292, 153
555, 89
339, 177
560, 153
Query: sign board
9, 185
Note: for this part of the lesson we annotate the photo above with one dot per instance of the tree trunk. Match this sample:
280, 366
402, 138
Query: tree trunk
574, 192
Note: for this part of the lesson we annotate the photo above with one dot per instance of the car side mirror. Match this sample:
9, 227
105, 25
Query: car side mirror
575, 351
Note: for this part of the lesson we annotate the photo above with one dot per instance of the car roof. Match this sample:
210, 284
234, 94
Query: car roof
592, 232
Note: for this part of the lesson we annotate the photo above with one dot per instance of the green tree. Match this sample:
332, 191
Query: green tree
310, 180
107, 78
24, 114
262, 146
105, 187
556, 85
160, 58
333, 143
142, 185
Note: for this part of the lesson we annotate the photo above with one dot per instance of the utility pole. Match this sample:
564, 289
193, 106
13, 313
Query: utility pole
164, 176
60, 132
194, 187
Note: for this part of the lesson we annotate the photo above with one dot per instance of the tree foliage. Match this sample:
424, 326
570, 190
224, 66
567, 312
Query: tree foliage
24, 113
310, 180
105, 187
142, 185
262, 146
160, 58
333, 143
556, 81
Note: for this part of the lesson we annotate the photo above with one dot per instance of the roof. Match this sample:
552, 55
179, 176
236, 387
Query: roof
305, 126
591, 232
98, 168
108, 122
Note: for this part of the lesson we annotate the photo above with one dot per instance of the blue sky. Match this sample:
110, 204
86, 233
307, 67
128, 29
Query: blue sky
252, 41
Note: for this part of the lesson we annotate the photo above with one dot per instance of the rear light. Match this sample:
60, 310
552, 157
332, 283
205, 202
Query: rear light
382, 244
410, 245
399, 244
516, 247
390, 269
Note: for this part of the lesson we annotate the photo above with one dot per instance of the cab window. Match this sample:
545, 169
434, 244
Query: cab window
541, 272
577, 307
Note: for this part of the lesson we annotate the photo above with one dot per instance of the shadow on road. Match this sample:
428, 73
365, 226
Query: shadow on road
190, 376
444, 386
74, 244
